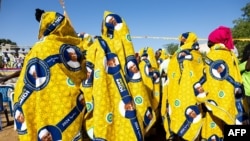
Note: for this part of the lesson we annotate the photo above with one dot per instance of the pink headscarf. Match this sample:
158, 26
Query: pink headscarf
222, 35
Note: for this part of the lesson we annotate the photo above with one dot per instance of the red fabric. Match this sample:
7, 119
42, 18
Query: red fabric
222, 35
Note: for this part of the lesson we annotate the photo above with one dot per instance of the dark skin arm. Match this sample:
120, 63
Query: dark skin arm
13, 75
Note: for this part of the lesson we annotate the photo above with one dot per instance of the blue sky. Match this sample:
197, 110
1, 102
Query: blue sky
157, 18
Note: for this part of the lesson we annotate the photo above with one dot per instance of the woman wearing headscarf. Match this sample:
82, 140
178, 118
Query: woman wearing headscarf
54, 103
170, 51
151, 80
150, 76
122, 108
224, 101
184, 70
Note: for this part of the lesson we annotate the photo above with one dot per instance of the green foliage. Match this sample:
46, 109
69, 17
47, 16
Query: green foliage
7, 41
241, 29
171, 48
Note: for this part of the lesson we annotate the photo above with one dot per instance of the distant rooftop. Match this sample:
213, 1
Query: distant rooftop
14, 48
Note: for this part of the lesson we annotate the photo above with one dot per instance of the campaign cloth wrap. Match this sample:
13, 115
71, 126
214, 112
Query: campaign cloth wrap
125, 49
160, 55
150, 76
121, 107
164, 100
47, 91
148, 53
184, 70
225, 97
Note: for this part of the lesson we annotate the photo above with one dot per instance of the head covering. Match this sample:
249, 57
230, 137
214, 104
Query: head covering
222, 35
197, 85
80, 97
130, 64
89, 69
17, 114
237, 90
54, 23
32, 69
108, 18
213, 137
191, 39
189, 110
71, 50
189, 36
222, 66
42, 133
38, 14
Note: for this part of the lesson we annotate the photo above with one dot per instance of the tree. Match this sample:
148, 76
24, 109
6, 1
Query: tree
241, 29
171, 48
7, 41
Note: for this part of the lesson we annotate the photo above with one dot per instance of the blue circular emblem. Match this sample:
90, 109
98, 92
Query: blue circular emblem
71, 57
219, 70
37, 74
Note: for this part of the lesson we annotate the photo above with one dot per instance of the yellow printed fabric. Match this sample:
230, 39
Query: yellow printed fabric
87, 88
148, 53
220, 82
124, 47
184, 71
160, 56
98, 94
211, 129
164, 100
122, 109
165, 112
150, 76
113, 112
224, 86
47, 92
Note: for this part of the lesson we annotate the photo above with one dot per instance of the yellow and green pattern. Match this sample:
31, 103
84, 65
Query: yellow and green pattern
47, 92
184, 70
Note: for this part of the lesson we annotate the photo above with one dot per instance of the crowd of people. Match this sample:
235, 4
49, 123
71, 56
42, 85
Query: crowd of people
71, 85
11, 60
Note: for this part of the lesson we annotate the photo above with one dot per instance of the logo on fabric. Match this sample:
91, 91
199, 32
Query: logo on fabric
221, 94
71, 56
212, 124
120, 84
129, 37
138, 100
97, 74
89, 106
177, 103
109, 117
219, 70
37, 74
70, 82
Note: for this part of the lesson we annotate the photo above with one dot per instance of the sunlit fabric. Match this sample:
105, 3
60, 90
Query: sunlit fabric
47, 91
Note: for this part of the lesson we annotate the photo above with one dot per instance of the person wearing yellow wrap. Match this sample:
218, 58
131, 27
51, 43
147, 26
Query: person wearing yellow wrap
170, 51
47, 91
160, 56
225, 100
184, 70
125, 49
150, 76
121, 109
151, 80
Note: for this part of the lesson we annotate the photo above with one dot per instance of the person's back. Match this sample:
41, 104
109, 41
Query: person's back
57, 94
245, 72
